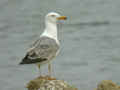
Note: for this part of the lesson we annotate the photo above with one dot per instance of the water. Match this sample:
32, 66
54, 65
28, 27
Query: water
90, 41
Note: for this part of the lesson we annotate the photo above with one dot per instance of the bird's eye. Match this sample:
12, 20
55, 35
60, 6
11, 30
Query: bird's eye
53, 15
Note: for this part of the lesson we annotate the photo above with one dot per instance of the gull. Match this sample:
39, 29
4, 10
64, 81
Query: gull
46, 47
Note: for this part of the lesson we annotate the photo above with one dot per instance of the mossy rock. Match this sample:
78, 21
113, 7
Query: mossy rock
47, 83
107, 85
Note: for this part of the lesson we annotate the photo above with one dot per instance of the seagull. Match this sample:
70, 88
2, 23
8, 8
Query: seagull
47, 46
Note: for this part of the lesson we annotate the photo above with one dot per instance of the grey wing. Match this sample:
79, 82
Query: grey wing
34, 43
43, 49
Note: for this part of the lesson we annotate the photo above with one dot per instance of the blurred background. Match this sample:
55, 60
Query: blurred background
90, 41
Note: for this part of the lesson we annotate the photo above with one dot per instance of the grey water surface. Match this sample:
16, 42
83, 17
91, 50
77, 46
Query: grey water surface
90, 41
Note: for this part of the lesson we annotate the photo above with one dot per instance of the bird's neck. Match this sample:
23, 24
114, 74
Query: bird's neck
50, 30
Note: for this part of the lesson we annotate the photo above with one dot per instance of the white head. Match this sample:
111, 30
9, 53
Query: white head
51, 27
54, 17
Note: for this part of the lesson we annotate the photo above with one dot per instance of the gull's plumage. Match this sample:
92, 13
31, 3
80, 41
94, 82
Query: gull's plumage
46, 47
42, 51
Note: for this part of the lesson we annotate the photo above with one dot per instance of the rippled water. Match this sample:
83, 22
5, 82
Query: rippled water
90, 41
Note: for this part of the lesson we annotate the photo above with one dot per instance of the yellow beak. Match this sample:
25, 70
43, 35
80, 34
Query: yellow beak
62, 18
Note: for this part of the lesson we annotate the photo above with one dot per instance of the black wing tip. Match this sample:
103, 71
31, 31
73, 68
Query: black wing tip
21, 63
31, 61
24, 61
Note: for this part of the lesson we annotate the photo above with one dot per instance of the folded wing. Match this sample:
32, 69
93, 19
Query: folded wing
42, 50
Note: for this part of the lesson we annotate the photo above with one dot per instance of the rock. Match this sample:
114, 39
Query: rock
47, 83
107, 85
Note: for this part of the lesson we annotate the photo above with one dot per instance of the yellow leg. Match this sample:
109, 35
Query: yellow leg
38, 65
49, 69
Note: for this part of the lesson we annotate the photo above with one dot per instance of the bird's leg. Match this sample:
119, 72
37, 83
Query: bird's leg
39, 69
49, 69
